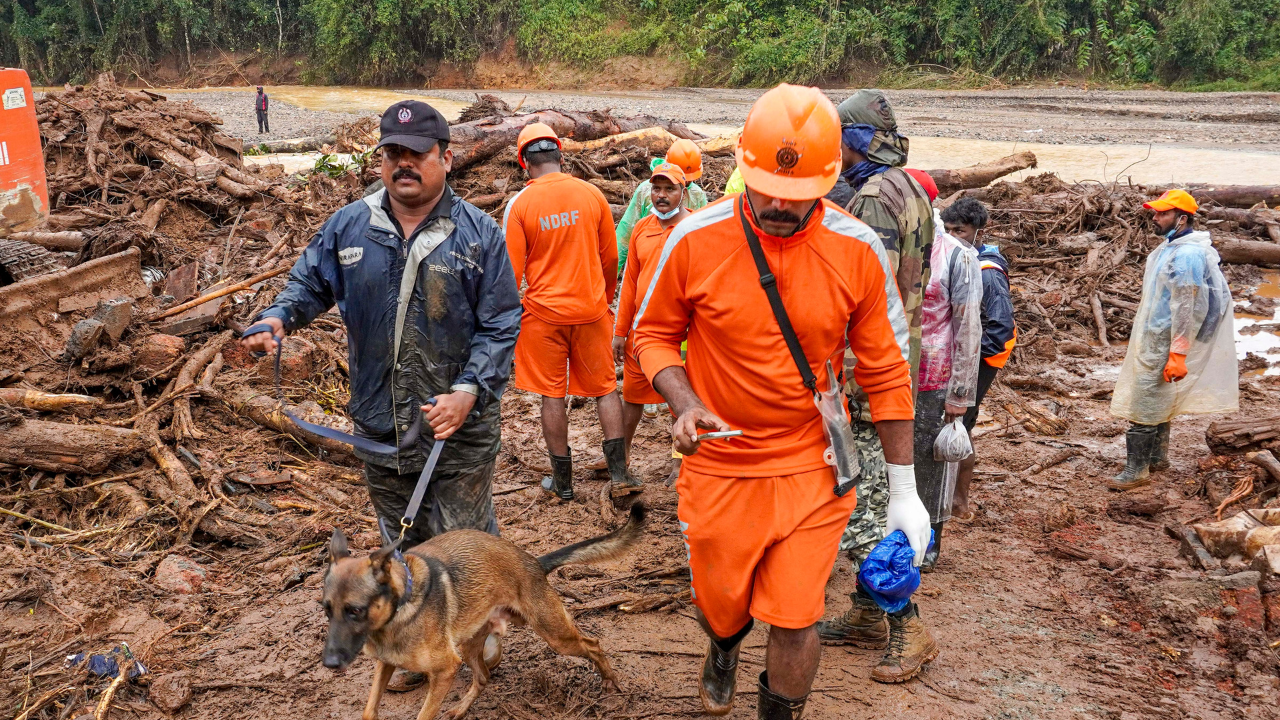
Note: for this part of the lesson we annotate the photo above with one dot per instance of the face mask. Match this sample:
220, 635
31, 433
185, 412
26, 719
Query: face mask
1177, 226
671, 213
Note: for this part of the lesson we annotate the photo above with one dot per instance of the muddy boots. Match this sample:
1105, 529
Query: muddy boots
772, 706
1140, 441
1160, 456
560, 483
621, 481
719, 679
862, 626
911, 645
935, 547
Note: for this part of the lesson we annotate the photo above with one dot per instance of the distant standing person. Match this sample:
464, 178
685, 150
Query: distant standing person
1182, 356
260, 106
561, 238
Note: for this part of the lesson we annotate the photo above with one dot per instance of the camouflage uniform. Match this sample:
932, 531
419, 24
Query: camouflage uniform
898, 209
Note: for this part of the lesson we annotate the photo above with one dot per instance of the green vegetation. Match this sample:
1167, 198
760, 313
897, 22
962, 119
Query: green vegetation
1198, 44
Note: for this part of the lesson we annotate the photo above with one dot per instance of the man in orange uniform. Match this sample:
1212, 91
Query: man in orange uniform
666, 198
560, 235
761, 521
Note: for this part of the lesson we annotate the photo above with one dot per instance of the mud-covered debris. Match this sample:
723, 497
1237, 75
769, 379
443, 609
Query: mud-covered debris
179, 574
115, 316
85, 337
170, 692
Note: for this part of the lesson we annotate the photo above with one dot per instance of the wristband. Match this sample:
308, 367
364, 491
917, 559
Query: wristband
902, 478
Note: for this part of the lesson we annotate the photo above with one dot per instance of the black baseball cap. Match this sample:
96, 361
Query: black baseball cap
413, 124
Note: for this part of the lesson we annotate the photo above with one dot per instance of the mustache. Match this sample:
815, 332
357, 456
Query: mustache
405, 173
780, 216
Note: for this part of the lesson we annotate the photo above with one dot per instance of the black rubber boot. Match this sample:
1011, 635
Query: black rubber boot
719, 680
931, 555
621, 482
772, 706
560, 483
1140, 443
1160, 456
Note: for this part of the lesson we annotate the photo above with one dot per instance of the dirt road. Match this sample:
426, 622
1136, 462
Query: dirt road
1054, 116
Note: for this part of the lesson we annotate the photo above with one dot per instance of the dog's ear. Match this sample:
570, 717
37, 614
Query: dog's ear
380, 563
338, 546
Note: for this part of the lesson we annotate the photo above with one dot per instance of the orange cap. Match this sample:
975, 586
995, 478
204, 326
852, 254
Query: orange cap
687, 155
672, 172
790, 144
1180, 199
531, 132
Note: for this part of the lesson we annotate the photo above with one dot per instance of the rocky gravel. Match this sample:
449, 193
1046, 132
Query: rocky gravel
286, 121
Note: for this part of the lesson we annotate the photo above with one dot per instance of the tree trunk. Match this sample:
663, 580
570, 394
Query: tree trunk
1232, 437
1236, 196
1249, 252
980, 175
60, 447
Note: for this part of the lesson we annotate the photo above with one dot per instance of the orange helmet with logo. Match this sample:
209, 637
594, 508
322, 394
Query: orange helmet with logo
790, 144
532, 133
687, 155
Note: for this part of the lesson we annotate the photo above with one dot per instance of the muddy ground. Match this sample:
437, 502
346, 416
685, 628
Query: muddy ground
1025, 633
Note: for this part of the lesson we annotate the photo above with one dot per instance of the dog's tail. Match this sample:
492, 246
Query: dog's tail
599, 549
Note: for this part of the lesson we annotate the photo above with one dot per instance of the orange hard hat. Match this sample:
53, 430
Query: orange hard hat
687, 155
531, 133
926, 182
790, 144
1180, 199
672, 172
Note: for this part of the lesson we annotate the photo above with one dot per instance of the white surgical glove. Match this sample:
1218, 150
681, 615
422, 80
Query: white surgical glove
906, 511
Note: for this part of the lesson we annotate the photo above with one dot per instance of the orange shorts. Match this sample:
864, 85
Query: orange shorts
635, 386
551, 359
761, 547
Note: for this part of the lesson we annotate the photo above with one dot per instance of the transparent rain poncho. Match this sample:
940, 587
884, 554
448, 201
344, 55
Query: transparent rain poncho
1186, 308
951, 320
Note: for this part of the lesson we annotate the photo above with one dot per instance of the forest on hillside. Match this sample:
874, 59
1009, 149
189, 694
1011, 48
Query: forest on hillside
1212, 44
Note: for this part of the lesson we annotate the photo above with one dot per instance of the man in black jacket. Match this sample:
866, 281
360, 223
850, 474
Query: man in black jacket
260, 106
428, 296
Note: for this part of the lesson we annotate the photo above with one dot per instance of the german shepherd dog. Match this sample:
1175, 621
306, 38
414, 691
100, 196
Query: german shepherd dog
433, 609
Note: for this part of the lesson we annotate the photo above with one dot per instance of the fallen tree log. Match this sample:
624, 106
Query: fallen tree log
61, 447
1249, 252
1236, 196
476, 141
265, 410
71, 240
982, 174
49, 402
1233, 437
656, 140
304, 144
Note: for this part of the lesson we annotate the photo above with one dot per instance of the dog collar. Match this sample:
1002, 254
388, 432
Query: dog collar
408, 579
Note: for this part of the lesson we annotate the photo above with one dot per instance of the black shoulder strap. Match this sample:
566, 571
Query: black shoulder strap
770, 285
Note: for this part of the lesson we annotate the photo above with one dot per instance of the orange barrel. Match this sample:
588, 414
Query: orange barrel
24, 195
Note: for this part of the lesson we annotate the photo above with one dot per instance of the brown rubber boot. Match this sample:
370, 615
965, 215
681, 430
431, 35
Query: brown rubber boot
911, 645
863, 625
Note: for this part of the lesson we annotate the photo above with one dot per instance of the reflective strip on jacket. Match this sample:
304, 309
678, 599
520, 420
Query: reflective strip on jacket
453, 328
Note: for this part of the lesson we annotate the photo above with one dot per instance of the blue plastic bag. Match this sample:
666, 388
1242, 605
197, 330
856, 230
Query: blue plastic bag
887, 574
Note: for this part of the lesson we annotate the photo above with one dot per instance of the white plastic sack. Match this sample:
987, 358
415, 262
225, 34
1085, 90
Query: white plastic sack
952, 444
1186, 308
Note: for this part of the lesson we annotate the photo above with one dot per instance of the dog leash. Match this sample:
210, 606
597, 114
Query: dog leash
407, 442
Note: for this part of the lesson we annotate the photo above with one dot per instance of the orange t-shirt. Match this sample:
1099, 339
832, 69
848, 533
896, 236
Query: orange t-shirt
647, 239
833, 276
560, 236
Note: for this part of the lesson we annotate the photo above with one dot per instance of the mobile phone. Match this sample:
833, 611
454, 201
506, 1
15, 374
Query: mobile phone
720, 435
